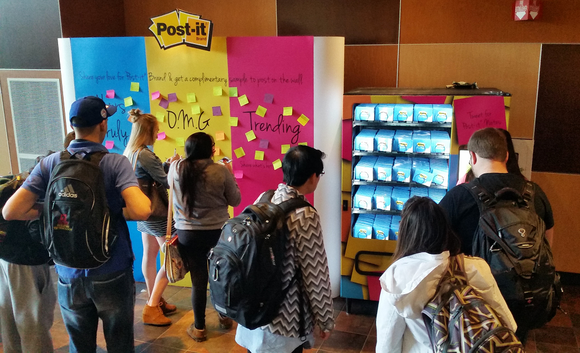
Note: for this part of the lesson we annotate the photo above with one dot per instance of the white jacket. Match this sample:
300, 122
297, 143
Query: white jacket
409, 283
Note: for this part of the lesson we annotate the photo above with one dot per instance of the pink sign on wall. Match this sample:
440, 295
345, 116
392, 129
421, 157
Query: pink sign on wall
474, 113
277, 67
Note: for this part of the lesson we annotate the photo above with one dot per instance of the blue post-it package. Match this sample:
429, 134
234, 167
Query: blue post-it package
399, 196
437, 194
384, 112
365, 112
364, 169
421, 192
363, 228
365, 140
440, 171
422, 176
402, 169
384, 168
440, 142
363, 198
442, 113
423, 113
381, 227
384, 140
394, 229
421, 141
403, 141
382, 197
403, 112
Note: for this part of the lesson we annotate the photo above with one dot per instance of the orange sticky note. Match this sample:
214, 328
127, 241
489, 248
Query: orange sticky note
285, 148
261, 111
250, 135
277, 164
287, 111
233, 121
220, 136
239, 152
243, 100
303, 120
217, 150
259, 155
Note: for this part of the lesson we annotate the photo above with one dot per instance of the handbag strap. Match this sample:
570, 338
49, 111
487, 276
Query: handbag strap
169, 211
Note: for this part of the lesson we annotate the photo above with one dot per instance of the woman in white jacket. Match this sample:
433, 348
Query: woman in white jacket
425, 243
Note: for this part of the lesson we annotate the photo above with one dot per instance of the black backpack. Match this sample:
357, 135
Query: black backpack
511, 237
245, 267
77, 223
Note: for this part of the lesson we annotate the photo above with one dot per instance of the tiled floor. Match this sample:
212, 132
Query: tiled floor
354, 332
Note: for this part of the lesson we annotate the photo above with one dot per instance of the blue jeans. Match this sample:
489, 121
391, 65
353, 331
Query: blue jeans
111, 298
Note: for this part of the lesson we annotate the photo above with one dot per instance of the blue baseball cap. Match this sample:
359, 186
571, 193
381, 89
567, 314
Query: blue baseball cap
90, 111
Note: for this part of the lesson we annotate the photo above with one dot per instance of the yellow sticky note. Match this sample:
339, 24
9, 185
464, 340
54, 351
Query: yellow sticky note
195, 109
277, 164
259, 155
250, 135
191, 98
217, 91
180, 141
233, 91
243, 100
217, 151
239, 152
285, 148
220, 136
233, 121
261, 111
128, 102
160, 117
135, 86
303, 143
287, 111
303, 120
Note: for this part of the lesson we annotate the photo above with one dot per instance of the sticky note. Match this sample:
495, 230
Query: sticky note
180, 141
303, 120
263, 144
172, 97
217, 111
250, 135
233, 91
238, 174
160, 117
110, 93
233, 121
191, 98
217, 91
109, 144
261, 111
303, 143
155, 95
128, 102
259, 155
243, 100
195, 109
285, 148
239, 152
134, 86
220, 135
268, 98
287, 111
217, 151
161, 136
277, 164
163, 103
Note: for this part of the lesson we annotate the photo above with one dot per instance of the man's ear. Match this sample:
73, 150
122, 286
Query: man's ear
507, 156
473, 157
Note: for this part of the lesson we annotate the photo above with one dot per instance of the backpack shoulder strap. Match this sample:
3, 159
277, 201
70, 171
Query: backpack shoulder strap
528, 195
95, 157
482, 197
294, 203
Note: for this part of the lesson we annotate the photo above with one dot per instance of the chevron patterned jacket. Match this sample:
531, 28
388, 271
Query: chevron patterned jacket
304, 252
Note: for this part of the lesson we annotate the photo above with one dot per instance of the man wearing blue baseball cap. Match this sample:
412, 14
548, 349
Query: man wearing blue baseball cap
106, 292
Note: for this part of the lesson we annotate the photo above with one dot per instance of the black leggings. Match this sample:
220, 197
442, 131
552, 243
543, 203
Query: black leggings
299, 349
194, 247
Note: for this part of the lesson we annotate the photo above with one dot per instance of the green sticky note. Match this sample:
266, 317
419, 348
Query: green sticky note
259, 155
217, 91
195, 109
287, 111
180, 141
135, 86
303, 143
243, 100
191, 98
128, 102
239, 152
261, 111
277, 164
160, 117
250, 135
233, 121
303, 120
285, 148
233, 91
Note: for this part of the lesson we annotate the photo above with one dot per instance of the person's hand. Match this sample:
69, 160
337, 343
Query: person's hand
173, 158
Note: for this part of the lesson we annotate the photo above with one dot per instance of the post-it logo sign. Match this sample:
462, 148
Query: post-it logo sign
179, 27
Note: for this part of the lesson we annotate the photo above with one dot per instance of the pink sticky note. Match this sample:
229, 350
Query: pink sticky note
268, 98
161, 136
263, 144
163, 103
238, 174
110, 93
474, 113
172, 97
109, 144
217, 111
155, 95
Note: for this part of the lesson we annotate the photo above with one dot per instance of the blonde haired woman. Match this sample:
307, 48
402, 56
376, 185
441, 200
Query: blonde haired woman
148, 166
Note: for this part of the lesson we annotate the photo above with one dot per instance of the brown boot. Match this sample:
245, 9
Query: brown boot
153, 315
197, 335
166, 307
225, 322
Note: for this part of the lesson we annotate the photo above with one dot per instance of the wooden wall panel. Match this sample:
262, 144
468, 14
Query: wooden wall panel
370, 66
490, 65
558, 114
230, 18
452, 21
565, 205
92, 18
360, 22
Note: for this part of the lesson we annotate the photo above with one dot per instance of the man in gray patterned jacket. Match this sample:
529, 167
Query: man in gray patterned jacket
303, 168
